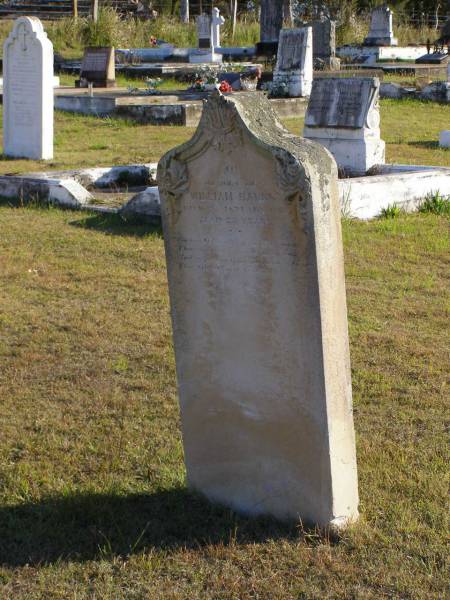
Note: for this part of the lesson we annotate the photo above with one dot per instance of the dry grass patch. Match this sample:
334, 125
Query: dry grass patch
93, 502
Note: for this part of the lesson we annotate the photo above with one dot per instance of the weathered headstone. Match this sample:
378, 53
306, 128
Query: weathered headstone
343, 115
271, 22
98, 67
28, 91
203, 31
294, 68
324, 44
381, 32
253, 243
217, 22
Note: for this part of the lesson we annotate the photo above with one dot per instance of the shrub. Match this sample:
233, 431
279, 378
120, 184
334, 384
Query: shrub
392, 211
435, 203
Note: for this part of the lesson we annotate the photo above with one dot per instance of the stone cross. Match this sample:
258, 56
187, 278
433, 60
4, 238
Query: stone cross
216, 23
255, 265
23, 37
28, 91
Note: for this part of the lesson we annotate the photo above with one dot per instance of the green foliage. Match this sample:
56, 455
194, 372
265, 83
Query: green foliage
392, 211
436, 204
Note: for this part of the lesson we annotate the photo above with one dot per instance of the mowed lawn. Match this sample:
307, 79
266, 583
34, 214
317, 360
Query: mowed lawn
93, 501
409, 127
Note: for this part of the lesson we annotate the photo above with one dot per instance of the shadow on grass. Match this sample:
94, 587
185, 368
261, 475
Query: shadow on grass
421, 144
87, 526
112, 224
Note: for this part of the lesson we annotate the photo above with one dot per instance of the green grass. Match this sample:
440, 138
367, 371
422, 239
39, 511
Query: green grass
93, 501
70, 37
410, 128
122, 81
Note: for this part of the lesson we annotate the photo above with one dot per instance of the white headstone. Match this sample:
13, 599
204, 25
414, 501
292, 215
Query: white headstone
381, 31
294, 68
255, 264
216, 23
28, 91
343, 115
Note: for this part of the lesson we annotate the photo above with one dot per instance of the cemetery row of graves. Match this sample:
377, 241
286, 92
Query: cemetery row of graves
223, 320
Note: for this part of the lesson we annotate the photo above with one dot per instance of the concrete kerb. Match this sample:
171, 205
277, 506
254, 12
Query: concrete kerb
70, 189
360, 197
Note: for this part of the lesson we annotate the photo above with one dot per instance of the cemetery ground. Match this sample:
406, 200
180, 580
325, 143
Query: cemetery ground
93, 501
409, 127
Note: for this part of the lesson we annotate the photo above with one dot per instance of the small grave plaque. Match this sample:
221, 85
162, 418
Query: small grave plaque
98, 67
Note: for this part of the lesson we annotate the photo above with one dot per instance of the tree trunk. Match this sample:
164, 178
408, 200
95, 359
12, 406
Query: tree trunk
234, 13
287, 12
184, 11
95, 10
75, 9
271, 20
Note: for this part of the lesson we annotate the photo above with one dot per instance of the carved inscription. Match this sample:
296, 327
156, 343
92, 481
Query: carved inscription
95, 61
291, 53
231, 214
24, 82
339, 103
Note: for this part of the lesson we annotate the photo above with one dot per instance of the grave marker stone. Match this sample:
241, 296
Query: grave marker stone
343, 115
324, 44
98, 67
294, 68
204, 31
254, 253
217, 22
381, 32
28, 91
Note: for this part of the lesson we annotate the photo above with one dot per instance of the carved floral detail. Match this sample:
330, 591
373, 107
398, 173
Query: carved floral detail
220, 124
173, 179
289, 174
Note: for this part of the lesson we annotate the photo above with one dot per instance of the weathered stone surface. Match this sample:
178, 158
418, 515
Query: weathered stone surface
143, 207
324, 44
339, 102
255, 265
381, 31
343, 115
28, 91
294, 66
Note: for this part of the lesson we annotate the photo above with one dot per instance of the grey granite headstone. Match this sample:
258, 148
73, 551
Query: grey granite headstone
203, 31
252, 233
381, 31
340, 102
343, 115
324, 44
98, 67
